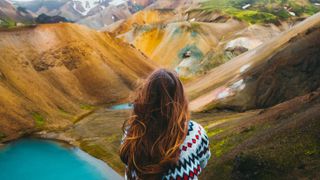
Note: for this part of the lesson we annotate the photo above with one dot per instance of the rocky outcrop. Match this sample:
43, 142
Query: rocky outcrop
45, 19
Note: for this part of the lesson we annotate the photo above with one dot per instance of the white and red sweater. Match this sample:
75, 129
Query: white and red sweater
194, 155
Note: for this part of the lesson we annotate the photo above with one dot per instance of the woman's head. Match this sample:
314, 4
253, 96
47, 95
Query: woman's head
157, 126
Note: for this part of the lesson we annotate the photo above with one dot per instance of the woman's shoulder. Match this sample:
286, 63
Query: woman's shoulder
195, 140
195, 127
196, 132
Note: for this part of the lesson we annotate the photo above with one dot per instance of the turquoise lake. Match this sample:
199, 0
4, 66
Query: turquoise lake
35, 159
122, 106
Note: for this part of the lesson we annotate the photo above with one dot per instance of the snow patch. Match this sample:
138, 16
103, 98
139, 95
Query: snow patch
86, 4
239, 85
246, 6
118, 2
224, 94
292, 13
244, 68
248, 43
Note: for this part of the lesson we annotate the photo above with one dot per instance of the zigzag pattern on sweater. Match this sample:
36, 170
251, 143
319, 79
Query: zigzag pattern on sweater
194, 154
190, 128
203, 148
188, 167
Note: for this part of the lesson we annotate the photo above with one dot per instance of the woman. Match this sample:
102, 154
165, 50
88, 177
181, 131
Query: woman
160, 141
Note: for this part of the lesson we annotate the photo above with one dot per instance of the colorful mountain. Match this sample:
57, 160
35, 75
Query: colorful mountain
52, 74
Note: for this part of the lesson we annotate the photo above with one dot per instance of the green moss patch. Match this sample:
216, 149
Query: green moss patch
271, 150
7, 23
38, 118
224, 144
86, 107
2, 135
247, 166
212, 60
260, 11
252, 16
215, 132
220, 147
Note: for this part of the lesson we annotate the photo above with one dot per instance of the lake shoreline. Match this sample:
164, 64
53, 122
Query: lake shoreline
58, 136
68, 136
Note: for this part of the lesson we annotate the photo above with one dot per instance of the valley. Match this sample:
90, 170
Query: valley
246, 144
250, 70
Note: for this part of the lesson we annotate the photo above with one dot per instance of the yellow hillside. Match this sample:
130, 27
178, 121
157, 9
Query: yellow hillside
50, 74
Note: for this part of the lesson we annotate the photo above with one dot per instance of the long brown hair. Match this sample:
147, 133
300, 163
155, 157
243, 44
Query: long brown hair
156, 128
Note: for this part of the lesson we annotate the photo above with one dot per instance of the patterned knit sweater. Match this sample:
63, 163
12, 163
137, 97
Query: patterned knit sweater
194, 155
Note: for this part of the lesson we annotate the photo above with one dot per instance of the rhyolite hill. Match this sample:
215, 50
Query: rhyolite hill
194, 37
51, 74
